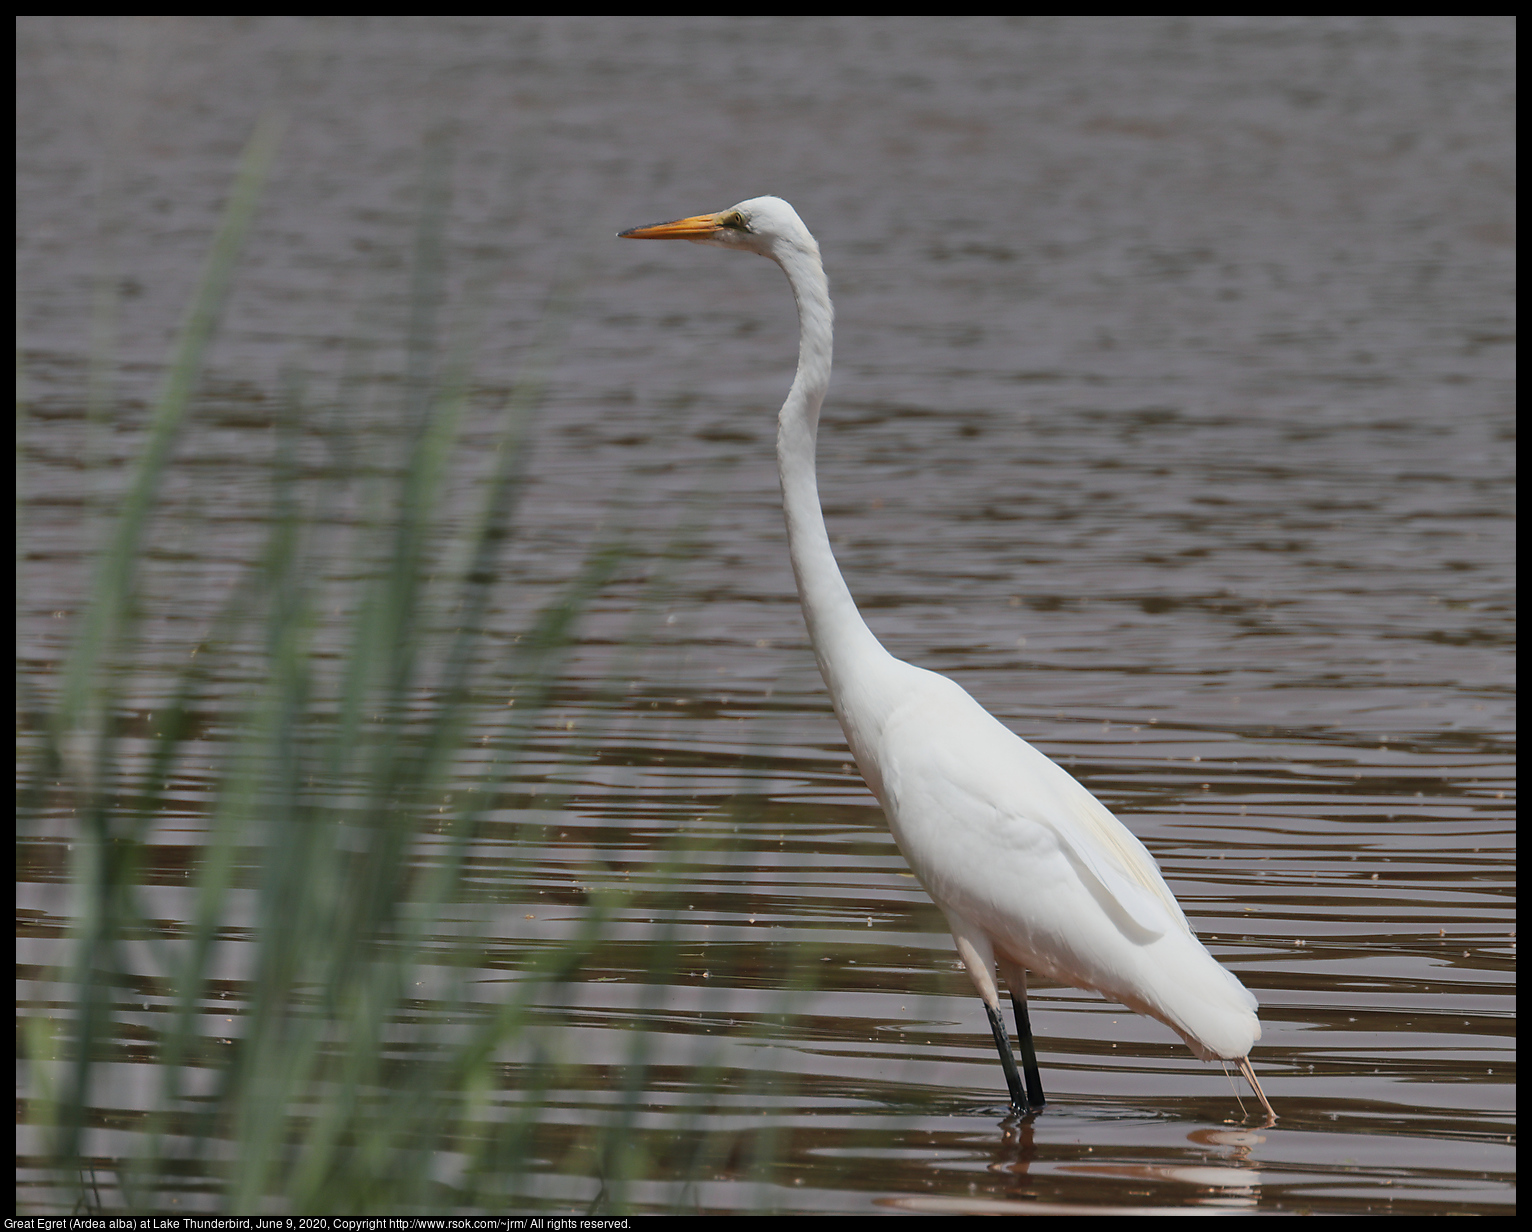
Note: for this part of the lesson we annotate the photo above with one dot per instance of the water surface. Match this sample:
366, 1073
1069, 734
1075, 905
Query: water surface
1172, 417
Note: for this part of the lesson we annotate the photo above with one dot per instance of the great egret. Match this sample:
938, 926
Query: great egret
1030, 869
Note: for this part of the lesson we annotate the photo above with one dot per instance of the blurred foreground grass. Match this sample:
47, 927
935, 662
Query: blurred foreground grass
284, 1056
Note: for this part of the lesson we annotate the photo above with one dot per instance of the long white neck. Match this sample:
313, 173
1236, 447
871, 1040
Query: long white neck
845, 647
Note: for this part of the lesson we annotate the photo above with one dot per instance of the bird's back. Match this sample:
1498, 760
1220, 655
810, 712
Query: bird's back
1008, 841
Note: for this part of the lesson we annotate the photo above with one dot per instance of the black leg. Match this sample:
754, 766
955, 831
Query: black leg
1008, 1061
1028, 1051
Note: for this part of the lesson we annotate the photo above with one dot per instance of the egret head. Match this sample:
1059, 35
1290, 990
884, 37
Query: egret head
764, 225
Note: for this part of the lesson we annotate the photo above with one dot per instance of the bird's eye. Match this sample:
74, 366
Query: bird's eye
734, 221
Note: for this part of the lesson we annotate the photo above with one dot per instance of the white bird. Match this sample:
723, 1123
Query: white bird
1030, 869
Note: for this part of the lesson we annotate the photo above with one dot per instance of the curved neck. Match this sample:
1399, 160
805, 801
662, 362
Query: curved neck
839, 635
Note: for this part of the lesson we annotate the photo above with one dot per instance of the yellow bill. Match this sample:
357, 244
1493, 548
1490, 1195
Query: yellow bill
698, 227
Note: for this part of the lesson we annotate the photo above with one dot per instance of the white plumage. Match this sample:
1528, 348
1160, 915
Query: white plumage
1030, 869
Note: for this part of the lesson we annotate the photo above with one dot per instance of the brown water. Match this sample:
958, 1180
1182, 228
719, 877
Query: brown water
1173, 417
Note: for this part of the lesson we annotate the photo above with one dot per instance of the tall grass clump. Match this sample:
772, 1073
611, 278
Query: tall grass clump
287, 1059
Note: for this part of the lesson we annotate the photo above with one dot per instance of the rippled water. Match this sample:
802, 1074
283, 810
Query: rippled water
1172, 417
